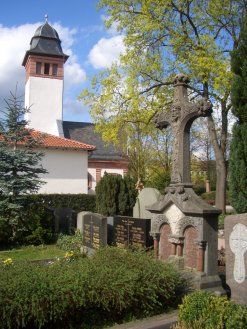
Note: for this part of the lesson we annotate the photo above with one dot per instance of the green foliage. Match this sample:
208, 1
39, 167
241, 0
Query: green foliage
70, 242
38, 220
160, 181
161, 39
239, 68
238, 168
20, 165
115, 195
199, 189
207, 311
238, 153
113, 285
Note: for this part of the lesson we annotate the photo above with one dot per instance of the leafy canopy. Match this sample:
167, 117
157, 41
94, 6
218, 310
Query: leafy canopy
161, 38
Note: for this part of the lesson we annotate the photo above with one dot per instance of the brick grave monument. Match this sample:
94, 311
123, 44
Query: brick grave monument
183, 226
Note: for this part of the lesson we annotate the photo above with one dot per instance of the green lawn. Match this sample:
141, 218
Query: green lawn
33, 253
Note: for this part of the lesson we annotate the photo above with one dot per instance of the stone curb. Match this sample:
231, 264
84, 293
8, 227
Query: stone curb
162, 321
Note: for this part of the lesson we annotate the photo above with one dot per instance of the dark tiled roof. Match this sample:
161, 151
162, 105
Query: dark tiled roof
45, 42
84, 132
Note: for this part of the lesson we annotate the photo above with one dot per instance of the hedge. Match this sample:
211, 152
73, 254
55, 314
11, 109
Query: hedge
37, 217
112, 286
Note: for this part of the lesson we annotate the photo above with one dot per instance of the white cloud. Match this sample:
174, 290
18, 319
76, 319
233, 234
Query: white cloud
106, 51
15, 41
66, 35
74, 74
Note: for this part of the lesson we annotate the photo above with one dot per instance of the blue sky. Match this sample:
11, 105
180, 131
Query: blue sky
84, 38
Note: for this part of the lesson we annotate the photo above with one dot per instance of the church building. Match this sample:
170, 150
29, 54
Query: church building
75, 155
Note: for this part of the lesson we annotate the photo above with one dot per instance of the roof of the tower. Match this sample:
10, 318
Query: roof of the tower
45, 42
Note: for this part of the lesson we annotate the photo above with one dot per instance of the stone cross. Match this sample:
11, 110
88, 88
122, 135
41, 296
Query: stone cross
238, 245
180, 118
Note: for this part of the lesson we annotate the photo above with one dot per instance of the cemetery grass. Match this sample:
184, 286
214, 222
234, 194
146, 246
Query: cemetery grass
32, 253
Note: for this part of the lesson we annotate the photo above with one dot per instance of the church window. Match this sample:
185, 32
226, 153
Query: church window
47, 68
54, 70
38, 68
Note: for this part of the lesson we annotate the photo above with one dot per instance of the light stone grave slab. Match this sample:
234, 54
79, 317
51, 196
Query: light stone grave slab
236, 256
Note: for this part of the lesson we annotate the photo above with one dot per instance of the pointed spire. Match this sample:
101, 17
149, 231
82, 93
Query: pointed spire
46, 18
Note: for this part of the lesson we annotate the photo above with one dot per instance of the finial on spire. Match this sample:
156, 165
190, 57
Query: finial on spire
46, 18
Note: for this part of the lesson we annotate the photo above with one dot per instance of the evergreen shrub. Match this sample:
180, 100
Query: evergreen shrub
115, 195
111, 286
204, 310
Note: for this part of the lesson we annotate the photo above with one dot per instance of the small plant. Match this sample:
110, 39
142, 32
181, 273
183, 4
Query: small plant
204, 310
70, 256
70, 243
7, 262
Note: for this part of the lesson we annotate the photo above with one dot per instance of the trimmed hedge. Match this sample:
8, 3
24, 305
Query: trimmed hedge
113, 285
78, 202
37, 217
204, 310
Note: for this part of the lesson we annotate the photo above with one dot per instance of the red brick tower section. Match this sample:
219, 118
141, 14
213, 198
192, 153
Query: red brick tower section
44, 67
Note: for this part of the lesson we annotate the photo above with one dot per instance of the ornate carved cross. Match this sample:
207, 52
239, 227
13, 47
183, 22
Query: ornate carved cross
180, 118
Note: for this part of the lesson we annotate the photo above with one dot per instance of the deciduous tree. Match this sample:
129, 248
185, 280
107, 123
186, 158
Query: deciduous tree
162, 38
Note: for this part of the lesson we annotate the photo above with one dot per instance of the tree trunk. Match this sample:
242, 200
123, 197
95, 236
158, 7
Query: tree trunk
220, 200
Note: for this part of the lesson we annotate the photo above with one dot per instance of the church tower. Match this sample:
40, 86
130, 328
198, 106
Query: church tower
44, 64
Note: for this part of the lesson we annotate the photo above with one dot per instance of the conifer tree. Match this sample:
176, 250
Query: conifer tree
238, 154
115, 195
19, 163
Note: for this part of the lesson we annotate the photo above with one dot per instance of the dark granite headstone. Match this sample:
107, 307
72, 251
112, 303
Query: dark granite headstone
129, 231
94, 230
65, 220
236, 256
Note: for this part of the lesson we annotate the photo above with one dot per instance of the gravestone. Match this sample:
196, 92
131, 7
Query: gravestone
94, 231
146, 197
65, 220
184, 227
236, 256
129, 231
80, 217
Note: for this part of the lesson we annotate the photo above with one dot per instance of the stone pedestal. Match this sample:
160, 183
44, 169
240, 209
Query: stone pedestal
191, 235
236, 256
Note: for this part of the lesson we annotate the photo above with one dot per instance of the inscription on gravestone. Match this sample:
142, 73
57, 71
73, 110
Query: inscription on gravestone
128, 231
94, 230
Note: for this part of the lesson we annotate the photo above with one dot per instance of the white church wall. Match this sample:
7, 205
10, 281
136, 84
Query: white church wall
92, 172
46, 110
67, 172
